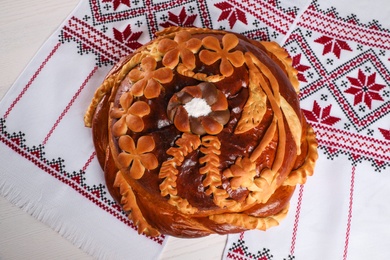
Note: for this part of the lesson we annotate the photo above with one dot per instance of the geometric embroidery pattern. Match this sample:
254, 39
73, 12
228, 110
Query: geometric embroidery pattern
238, 249
345, 83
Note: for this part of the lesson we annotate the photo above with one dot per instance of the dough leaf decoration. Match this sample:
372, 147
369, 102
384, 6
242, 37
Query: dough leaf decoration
255, 106
293, 121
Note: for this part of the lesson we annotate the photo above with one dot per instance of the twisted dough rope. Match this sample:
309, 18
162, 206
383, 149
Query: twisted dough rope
250, 222
129, 203
299, 175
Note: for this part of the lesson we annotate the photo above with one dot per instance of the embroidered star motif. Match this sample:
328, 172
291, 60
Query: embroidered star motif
230, 13
333, 45
296, 63
321, 115
364, 89
182, 19
128, 37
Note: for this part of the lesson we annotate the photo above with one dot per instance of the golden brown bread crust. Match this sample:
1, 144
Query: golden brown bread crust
200, 132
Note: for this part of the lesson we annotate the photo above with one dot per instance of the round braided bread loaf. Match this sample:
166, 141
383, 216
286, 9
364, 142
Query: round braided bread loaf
200, 131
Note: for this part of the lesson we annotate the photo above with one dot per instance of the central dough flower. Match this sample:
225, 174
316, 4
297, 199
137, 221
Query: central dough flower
199, 109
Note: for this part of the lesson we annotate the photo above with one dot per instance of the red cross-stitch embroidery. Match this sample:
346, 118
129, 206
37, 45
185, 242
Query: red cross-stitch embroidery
365, 89
182, 19
321, 115
128, 37
230, 13
333, 45
296, 63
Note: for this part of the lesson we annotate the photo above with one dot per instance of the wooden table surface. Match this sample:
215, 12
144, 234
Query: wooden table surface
24, 27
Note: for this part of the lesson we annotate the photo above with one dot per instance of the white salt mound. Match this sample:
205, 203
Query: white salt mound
197, 107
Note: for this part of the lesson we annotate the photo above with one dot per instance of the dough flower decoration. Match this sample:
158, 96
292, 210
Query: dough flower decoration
135, 159
182, 46
147, 80
214, 52
199, 109
243, 174
129, 114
